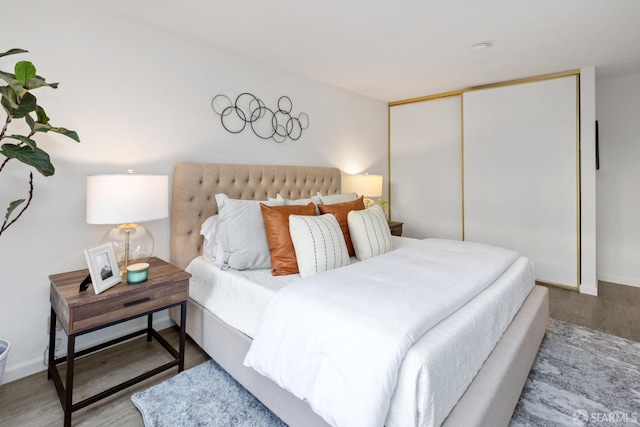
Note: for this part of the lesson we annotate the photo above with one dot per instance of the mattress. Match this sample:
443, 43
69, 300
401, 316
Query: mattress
438, 367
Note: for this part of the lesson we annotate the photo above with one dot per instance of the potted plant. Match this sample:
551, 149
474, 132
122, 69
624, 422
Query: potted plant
19, 103
4, 352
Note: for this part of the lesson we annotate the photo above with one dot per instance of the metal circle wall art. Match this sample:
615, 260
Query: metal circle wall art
266, 123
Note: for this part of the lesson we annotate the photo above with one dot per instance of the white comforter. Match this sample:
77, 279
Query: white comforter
337, 339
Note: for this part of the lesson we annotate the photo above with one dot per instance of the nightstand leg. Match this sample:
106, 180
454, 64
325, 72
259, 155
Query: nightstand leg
52, 341
149, 326
68, 398
183, 327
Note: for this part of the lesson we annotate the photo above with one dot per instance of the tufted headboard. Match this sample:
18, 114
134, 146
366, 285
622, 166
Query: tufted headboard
196, 184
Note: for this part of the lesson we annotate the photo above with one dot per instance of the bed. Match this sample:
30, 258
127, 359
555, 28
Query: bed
491, 395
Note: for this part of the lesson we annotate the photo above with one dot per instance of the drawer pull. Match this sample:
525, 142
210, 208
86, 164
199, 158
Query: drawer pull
136, 302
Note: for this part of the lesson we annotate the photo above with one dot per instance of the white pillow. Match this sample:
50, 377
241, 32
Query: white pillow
209, 230
369, 232
303, 202
318, 242
337, 198
242, 243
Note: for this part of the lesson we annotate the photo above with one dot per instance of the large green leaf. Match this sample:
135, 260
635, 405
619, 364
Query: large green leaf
9, 99
27, 104
41, 115
6, 105
7, 92
24, 139
13, 52
32, 157
24, 70
12, 206
15, 84
66, 132
45, 127
30, 121
37, 82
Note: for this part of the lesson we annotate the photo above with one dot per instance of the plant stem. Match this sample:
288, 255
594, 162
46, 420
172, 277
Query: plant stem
2, 133
6, 224
3, 163
6, 125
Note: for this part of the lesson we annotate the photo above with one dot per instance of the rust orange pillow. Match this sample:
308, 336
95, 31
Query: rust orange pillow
340, 211
276, 223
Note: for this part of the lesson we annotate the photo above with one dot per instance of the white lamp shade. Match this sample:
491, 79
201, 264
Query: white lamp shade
122, 199
364, 185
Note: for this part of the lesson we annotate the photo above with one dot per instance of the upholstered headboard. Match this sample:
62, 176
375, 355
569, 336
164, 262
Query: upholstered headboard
196, 184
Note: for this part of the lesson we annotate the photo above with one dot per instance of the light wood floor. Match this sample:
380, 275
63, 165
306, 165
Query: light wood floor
616, 309
33, 401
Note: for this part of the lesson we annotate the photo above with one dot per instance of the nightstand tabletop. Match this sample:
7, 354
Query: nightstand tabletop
82, 311
395, 227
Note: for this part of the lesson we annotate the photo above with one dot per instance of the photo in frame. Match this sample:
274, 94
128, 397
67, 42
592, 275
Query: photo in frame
103, 267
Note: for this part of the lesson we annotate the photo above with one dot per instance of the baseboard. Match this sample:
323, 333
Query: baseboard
620, 280
35, 365
589, 289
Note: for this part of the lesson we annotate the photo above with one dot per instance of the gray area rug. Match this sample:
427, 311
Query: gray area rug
202, 396
580, 377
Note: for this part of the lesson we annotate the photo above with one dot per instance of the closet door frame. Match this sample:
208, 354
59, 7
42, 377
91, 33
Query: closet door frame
460, 93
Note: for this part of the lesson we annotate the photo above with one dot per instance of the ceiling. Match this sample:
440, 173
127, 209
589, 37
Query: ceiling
397, 49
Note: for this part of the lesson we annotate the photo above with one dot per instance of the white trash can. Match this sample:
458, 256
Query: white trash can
4, 352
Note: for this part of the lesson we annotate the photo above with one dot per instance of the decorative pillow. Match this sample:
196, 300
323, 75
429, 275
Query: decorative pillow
318, 242
369, 232
341, 210
276, 223
337, 198
242, 236
209, 230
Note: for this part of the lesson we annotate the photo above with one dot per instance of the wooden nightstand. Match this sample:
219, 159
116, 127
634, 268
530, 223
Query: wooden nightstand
396, 228
83, 312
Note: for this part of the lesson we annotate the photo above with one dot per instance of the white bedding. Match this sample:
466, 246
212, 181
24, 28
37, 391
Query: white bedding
337, 339
239, 297
426, 391
439, 366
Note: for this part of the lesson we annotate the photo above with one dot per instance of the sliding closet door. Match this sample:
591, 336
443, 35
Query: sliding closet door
521, 187
425, 169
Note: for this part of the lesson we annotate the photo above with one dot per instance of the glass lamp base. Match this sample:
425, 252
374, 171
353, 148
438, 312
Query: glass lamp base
132, 243
368, 202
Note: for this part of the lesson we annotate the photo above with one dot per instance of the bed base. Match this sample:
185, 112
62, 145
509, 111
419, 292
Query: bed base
488, 401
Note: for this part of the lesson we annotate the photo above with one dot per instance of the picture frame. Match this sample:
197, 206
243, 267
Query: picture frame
103, 267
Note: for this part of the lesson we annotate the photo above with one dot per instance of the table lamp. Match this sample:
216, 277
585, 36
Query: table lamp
125, 200
365, 185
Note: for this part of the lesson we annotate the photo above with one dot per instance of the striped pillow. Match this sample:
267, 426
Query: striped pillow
369, 232
318, 242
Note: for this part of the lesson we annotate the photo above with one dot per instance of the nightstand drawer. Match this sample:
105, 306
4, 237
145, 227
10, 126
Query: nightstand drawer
99, 313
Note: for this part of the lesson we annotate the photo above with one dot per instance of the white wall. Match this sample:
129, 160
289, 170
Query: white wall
139, 97
618, 205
